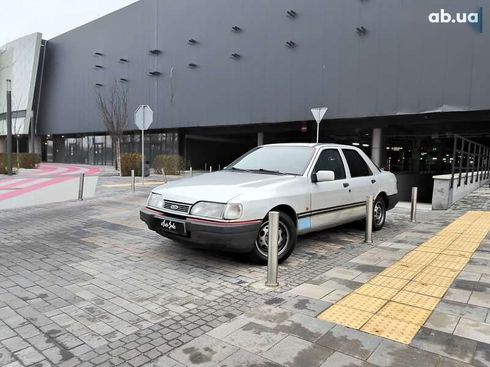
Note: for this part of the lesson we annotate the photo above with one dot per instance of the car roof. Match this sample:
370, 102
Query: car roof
310, 145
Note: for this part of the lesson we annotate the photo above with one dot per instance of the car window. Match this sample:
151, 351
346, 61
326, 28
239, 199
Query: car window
357, 165
270, 159
329, 160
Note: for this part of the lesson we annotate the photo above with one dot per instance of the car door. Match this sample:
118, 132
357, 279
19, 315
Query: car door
362, 182
327, 199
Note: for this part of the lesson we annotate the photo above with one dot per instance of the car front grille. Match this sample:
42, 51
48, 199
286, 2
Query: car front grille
176, 207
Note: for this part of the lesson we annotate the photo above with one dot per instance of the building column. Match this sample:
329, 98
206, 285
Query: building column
378, 148
415, 157
36, 144
260, 139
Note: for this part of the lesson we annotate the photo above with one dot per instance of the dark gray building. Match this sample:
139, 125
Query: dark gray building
234, 73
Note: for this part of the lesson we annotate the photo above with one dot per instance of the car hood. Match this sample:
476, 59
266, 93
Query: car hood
220, 186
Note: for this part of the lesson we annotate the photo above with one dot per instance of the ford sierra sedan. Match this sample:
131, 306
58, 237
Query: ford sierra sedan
312, 186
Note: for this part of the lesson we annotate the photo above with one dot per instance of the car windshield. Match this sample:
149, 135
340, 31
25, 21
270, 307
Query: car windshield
275, 160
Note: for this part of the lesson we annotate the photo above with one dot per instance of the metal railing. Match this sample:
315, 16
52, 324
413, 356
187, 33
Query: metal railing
471, 161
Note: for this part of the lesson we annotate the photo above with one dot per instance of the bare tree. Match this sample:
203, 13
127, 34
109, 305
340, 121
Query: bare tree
113, 108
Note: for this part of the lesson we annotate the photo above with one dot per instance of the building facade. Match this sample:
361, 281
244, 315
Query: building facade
225, 75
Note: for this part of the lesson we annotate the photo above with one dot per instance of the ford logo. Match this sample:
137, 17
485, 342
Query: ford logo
174, 207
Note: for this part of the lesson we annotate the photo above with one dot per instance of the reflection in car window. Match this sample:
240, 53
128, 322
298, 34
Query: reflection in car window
266, 159
329, 160
357, 164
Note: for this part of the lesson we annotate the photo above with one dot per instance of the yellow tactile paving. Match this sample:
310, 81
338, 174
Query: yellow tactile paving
388, 282
416, 300
376, 291
432, 270
362, 303
434, 279
396, 303
425, 288
402, 312
345, 316
419, 258
393, 329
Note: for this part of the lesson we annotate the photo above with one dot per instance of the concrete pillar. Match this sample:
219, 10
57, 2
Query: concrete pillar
37, 144
378, 149
260, 139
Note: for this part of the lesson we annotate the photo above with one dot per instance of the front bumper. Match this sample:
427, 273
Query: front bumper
226, 236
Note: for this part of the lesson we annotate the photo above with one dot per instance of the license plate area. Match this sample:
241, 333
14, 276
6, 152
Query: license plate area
172, 225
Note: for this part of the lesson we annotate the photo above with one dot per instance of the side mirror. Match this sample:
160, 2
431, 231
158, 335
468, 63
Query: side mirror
325, 176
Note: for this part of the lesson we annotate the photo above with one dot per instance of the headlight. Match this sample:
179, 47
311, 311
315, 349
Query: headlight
233, 211
155, 200
207, 209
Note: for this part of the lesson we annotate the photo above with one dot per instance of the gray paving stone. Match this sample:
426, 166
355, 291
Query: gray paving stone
246, 359
164, 361
255, 338
444, 344
14, 344
349, 341
305, 306
6, 357
442, 321
482, 355
335, 296
29, 356
395, 354
311, 290
463, 310
203, 351
268, 315
480, 299
306, 327
474, 330
343, 360
296, 352
457, 295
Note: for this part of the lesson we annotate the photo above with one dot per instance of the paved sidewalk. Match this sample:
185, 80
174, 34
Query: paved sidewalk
85, 284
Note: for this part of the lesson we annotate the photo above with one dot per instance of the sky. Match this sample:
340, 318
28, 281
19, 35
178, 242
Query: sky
50, 17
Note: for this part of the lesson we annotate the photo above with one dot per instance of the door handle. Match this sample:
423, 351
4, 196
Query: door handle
346, 184
373, 181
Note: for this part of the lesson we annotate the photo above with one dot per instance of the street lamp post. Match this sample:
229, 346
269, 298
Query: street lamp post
9, 128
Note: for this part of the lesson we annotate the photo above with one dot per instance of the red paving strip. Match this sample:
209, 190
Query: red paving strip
65, 173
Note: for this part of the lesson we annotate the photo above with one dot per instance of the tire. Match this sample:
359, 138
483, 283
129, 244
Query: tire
287, 240
379, 213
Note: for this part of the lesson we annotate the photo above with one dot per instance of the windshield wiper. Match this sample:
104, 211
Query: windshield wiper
237, 169
268, 171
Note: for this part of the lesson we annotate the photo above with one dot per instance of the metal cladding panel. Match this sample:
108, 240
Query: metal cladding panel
402, 65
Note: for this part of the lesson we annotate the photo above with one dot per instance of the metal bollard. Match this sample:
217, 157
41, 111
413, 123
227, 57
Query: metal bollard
133, 183
368, 238
164, 176
272, 250
80, 186
413, 206
190, 172
210, 168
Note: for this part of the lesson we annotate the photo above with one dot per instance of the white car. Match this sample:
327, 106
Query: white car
313, 186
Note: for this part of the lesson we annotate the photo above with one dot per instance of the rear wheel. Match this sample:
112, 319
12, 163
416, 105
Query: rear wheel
379, 213
286, 240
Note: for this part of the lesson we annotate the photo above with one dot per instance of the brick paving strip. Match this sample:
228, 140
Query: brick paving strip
396, 303
85, 284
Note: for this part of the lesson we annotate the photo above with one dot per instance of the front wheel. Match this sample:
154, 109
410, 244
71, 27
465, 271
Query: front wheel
286, 240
